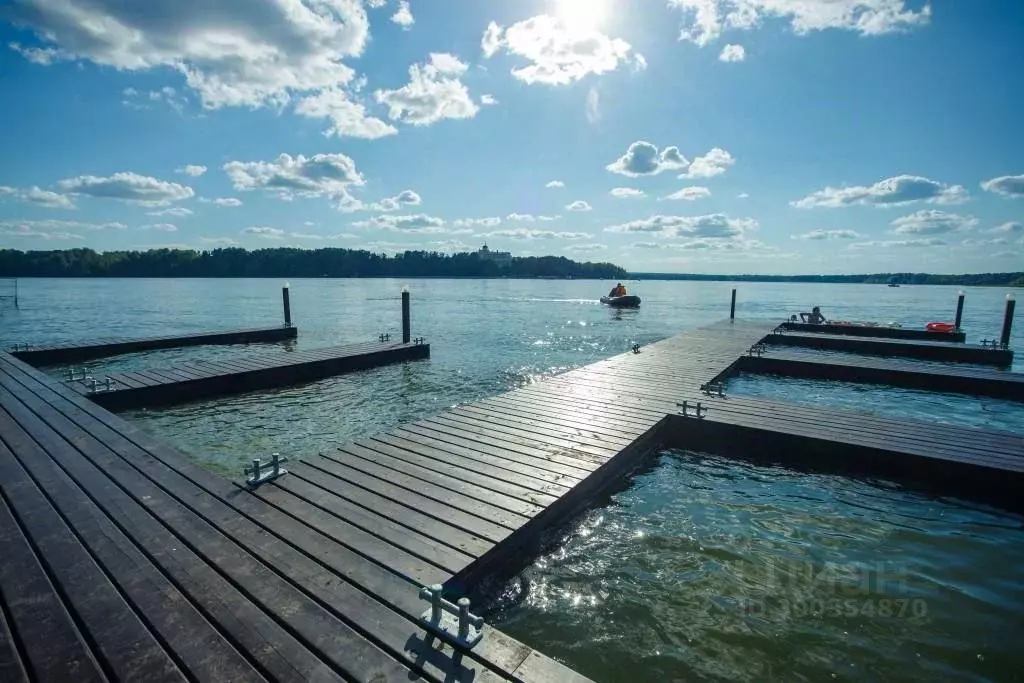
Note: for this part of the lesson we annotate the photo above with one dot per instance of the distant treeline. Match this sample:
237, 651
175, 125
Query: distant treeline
287, 262
969, 280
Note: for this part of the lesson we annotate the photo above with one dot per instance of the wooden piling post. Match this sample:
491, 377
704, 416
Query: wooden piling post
286, 300
732, 306
1011, 303
406, 322
959, 309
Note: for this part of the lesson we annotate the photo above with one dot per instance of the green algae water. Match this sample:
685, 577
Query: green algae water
712, 569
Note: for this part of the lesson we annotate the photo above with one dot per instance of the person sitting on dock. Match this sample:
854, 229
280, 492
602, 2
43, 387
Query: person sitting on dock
617, 290
814, 317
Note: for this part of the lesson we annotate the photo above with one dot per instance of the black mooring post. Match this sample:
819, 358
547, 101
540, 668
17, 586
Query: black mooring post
732, 306
406, 323
1011, 303
286, 299
959, 309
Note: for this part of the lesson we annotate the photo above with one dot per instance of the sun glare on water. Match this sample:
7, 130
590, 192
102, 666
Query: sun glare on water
582, 15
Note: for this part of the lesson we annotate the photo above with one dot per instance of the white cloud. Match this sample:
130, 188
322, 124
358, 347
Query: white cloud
265, 232
557, 54
403, 17
578, 205
689, 194
403, 198
902, 244
287, 177
583, 248
743, 195
593, 110
145, 100
232, 53
223, 201
488, 100
1007, 185
417, 223
529, 234
434, 92
529, 218
128, 187
38, 196
349, 118
931, 222
483, 222
733, 53
192, 170
224, 241
160, 227
1012, 227
714, 226
39, 55
828, 235
376, 4
642, 158
51, 224
897, 191
712, 164
1006, 254
555, 183
26, 231
705, 20
176, 211
626, 193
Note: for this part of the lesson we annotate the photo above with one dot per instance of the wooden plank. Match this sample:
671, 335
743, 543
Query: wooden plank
12, 668
877, 331
954, 353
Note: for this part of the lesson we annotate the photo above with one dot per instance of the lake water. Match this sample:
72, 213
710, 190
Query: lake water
657, 584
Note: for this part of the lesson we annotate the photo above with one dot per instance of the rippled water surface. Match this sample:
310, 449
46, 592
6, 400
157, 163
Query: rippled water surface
709, 569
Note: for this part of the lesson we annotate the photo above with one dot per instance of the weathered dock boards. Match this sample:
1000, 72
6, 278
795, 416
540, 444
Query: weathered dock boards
203, 379
967, 380
931, 350
877, 331
83, 351
125, 561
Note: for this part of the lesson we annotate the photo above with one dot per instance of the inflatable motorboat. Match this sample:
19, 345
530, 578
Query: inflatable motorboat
628, 301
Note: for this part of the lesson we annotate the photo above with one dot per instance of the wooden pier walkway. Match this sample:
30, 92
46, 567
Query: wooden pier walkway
205, 378
82, 351
907, 374
949, 352
125, 560
877, 331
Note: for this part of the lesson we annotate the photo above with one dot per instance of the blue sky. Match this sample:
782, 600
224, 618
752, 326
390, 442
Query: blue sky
716, 136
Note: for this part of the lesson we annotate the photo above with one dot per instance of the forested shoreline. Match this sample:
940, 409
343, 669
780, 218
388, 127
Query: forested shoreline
289, 262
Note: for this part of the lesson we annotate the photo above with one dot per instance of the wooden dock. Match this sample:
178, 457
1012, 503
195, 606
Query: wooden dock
202, 379
977, 381
125, 560
949, 352
78, 352
878, 332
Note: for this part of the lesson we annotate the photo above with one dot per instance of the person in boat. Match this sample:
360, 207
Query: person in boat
814, 317
617, 290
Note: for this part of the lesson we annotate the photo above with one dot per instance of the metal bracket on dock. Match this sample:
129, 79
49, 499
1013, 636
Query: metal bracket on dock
700, 408
713, 389
636, 348
96, 387
71, 374
757, 349
993, 344
258, 472
21, 347
419, 341
384, 336
455, 621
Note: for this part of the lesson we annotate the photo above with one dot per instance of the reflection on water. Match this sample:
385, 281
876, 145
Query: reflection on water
892, 402
708, 569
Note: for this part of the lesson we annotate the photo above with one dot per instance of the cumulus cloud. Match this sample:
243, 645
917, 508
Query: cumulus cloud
417, 223
128, 187
488, 100
529, 217
248, 53
38, 196
626, 193
931, 222
556, 54
176, 211
705, 20
434, 92
689, 194
902, 244
555, 183
529, 234
348, 117
1007, 185
713, 226
53, 229
896, 191
222, 201
402, 199
828, 235
287, 177
1011, 227
221, 241
265, 232
191, 169
471, 222
733, 53
583, 248
160, 227
578, 205
642, 158
403, 17
712, 164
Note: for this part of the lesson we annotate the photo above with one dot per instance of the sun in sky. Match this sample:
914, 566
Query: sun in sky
583, 15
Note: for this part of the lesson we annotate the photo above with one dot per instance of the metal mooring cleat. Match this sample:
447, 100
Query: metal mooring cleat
259, 472
455, 621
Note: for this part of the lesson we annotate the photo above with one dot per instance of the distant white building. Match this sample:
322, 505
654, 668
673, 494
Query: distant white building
502, 258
